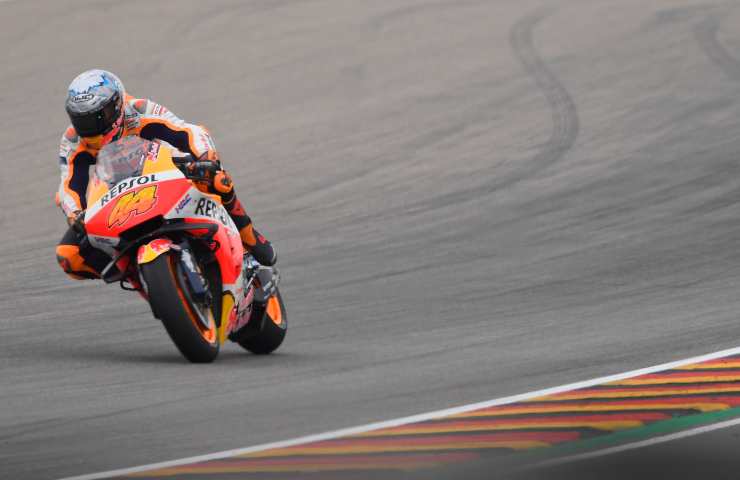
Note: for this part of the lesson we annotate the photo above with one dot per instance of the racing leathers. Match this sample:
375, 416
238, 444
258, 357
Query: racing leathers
150, 121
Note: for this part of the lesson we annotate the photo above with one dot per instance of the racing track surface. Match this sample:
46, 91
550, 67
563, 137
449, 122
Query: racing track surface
471, 199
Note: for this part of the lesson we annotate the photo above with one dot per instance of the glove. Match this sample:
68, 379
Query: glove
202, 168
209, 168
222, 182
77, 221
198, 170
206, 172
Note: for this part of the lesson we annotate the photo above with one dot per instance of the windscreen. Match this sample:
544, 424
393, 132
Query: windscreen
122, 159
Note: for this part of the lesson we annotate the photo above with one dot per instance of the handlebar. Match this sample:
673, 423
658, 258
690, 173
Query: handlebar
193, 168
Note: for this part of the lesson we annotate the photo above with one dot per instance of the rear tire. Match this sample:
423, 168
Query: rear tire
171, 300
273, 332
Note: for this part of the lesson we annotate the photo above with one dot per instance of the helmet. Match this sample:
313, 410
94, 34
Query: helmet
95, 106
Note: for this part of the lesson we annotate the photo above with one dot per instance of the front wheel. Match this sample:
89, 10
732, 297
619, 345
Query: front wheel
191, 326
274, 327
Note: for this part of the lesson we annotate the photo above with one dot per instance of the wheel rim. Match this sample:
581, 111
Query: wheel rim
197, 316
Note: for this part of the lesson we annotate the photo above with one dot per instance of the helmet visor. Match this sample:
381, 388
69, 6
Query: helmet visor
99, 122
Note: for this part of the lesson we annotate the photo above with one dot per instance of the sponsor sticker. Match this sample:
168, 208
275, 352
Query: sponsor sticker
68, 205
183, 203
127, 185
208, 208
244, 311
82, 97
152, 250
131, 122
207, 141
153, 151
65, 149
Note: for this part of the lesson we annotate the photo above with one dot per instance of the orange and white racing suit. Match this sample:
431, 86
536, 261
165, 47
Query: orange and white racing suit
150, 121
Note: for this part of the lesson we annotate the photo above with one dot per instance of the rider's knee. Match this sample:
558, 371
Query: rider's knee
73, 264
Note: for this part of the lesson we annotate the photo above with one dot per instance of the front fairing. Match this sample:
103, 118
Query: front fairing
156, 190
117, 204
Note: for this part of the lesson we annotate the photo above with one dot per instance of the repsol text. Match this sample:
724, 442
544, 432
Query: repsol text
209, 208
127, 185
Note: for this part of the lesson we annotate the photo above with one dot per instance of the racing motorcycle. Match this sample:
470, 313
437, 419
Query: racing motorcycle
177, 246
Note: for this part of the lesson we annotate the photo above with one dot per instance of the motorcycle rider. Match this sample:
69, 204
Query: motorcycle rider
102, 112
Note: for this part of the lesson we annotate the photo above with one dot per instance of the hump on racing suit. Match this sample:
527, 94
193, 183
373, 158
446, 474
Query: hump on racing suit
142, 117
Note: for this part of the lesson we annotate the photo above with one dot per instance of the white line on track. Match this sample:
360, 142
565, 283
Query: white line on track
438, 414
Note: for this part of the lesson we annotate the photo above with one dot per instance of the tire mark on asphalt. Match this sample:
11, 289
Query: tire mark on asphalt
565, 120
565, 126
706, 36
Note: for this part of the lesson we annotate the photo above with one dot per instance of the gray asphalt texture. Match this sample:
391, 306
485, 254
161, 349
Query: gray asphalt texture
470, 199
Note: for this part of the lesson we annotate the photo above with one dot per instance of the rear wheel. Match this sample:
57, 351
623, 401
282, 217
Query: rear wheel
275, 325
191, 325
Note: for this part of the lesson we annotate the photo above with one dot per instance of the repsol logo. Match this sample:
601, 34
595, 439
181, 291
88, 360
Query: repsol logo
209, 208
127, 185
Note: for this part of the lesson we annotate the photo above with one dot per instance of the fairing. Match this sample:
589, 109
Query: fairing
137, 181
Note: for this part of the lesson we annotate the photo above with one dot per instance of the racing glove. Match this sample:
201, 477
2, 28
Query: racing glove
207, 174
77, 221
222, 182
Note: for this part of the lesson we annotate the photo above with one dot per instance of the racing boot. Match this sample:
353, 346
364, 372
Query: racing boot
254, 242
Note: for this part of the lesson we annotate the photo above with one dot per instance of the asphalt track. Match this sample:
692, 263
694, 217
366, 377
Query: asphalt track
471, 199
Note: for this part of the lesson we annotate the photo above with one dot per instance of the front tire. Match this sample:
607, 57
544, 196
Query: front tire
170, 299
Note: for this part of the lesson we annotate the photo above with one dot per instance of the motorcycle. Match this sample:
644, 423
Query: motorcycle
176, 245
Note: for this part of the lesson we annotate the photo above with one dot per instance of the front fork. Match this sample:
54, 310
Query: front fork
198, 287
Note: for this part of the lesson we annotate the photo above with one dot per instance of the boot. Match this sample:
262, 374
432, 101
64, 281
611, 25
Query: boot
256, 244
